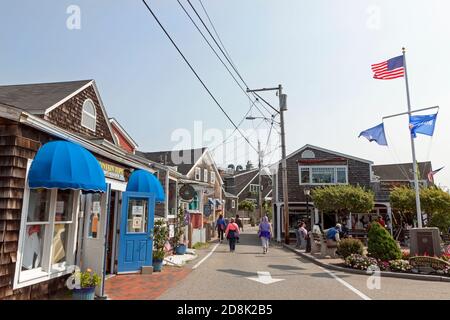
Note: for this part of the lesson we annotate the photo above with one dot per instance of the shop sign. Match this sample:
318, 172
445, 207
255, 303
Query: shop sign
137, 210
207, 210
187, 192
96, 206
137, 222
428, 262
112, 171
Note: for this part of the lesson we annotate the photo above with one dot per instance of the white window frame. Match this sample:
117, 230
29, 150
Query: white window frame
233, 204
198, 173
84, 114
213, 177
254, 188
47, 270
300, 167
205, 175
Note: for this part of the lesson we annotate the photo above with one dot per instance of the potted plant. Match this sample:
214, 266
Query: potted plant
179, 246
85, 284
160, 235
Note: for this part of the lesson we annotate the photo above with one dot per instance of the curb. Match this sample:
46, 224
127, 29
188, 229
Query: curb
388, 274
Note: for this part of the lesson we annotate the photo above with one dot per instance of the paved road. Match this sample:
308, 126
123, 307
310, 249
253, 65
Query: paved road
223, 275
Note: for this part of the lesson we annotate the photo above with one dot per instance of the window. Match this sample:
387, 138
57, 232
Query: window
323, 175
194, 204
205, 175
88, 115
197, 174
254, 188
48, 236
213, 177
233, 204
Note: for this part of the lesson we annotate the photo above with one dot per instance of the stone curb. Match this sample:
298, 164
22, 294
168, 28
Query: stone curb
411, 276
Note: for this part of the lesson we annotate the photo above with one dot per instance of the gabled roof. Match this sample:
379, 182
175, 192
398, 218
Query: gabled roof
165, 157
401, 171
36, 98
309, 146
125, 134
243, 179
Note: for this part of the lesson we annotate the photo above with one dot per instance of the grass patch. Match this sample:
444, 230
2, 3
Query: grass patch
200, 245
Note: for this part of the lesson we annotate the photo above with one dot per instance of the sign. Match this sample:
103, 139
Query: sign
187, 192
96, 206
59, 207
428, 262
207, 210
112, 171
171, 230
137, 210
137, 222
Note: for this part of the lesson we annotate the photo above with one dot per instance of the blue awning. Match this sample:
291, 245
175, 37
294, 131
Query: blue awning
66, 165
144, 181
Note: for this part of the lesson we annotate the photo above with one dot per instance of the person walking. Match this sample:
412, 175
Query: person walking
241, 227
220, 225
232, 232
303, 233
297, 234
265, 233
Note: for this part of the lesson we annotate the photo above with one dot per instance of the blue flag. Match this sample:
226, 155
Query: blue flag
375, 134
422, 124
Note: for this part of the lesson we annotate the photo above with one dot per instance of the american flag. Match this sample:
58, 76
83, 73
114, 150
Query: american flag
389, 69
432, 173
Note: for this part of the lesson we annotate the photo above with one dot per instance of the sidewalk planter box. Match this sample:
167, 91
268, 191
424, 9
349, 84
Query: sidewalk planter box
180, 249
83, 294
157, 265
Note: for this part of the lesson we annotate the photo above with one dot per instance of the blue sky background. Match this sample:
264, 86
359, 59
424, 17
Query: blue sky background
321, 51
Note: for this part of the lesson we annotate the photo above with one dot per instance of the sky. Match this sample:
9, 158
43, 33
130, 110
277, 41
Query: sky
320, 51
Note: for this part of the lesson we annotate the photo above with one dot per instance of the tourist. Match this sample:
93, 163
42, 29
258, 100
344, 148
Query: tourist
232, 232
297, 234
303, 233
265, 233
239, 223
220, 225
333, 235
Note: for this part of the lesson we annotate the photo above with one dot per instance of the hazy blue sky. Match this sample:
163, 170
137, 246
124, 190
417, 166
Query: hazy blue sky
320, 51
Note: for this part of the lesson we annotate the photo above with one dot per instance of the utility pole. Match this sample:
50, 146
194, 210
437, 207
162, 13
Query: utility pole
259, 180
282, 107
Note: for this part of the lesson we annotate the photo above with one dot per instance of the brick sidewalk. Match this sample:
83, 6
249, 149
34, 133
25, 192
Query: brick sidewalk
144, 286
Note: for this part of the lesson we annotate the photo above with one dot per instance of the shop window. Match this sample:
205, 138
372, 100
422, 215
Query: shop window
48, 235
197, 174
88, 116
323, 175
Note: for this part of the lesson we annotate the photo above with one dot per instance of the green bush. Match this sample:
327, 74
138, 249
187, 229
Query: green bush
381, 244
350, 246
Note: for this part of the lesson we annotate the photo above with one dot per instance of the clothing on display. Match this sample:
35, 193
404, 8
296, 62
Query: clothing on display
59, 252
32, 249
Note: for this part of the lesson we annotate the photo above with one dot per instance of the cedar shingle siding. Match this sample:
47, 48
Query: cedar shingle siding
15, 149
68, 116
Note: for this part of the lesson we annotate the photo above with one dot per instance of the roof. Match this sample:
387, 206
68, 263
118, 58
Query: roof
123, 132
38, 97
306, 146
165, 157
229, 195
243, 179
401, 171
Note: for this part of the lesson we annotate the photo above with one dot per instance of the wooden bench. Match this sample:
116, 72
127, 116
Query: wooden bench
316, 243
319, 244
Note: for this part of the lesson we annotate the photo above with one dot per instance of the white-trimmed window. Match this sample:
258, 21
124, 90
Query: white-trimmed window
198, 173
48, 235
323, 175
233, 204
205, 175
213, 177
254, 188
88, 115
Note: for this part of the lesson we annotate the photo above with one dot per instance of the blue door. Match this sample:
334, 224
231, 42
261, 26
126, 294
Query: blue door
136, 231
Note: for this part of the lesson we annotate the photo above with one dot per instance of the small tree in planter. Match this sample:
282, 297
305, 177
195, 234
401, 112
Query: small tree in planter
160, 235
179, 246
83, 284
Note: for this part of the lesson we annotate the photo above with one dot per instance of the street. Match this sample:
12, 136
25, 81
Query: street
225, 276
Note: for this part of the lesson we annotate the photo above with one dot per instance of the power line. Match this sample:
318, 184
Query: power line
196, 74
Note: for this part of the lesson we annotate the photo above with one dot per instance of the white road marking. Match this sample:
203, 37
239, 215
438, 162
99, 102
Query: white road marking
264, 277
346, 284
206, 257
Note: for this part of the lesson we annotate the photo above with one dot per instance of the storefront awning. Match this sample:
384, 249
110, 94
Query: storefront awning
144, 181
66, 165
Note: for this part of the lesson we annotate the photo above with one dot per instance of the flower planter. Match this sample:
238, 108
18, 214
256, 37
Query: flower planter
157, 265
180, 249
83, 293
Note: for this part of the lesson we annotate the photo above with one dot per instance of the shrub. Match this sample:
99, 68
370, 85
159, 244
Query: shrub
357, 261
349, 246
383, 265
399, 265
381, 244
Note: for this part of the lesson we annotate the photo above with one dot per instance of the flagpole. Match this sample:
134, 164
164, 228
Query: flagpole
413, 148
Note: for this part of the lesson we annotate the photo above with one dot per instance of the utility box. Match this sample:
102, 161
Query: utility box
425, 241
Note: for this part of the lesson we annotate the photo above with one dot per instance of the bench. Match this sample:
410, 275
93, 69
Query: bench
319, 244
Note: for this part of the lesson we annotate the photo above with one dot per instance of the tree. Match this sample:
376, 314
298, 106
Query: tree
381, 245
343, 199
249, 207
403, 199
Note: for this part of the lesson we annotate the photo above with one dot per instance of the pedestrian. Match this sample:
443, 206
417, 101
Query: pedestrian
241, 227
303, 233
232, 232
220, 224
333, 235
265, 233
297, 234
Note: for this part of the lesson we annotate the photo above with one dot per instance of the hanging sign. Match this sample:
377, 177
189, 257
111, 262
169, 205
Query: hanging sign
137, 222
137, 210
207, 210
187, 192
